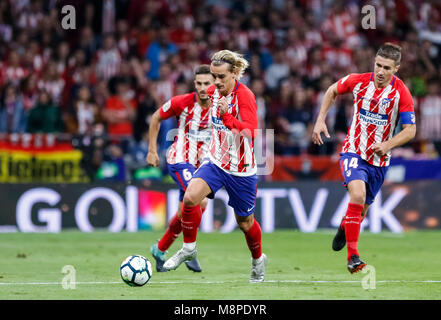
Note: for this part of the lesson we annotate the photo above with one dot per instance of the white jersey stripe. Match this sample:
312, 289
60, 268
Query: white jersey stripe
363, 131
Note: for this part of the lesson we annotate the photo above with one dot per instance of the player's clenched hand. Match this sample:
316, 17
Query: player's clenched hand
319, 128
380, 148
223, 106
152, 159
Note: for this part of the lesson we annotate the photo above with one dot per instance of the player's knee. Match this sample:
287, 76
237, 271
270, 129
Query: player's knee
190, 199
204, 203
358, 197
245, 225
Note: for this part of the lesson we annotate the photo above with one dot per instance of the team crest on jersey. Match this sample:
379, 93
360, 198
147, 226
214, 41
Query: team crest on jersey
385, 101
348, 173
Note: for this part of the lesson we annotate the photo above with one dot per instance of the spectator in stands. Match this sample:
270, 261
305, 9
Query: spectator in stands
12, 70
297, 122
258, 88
45, 117
83, 114
52, 82
88, 43
276, 71
429, 111
13, 116
159, 51
145, 109
120, 111
155, 45
29, 89
108, 59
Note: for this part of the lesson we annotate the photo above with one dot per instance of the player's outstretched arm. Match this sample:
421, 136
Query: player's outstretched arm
320, 124
155, 124
404, 136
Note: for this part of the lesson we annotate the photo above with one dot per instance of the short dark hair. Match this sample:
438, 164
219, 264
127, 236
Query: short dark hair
202, 69
390, 51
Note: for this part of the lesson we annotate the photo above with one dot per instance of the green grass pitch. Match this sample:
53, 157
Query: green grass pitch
300, 266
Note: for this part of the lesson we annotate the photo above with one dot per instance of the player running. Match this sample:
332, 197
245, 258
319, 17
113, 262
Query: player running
231, 163
185, 154
380, 100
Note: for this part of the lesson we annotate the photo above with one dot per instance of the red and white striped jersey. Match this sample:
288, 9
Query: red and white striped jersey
232, 140
376, 114
193, 132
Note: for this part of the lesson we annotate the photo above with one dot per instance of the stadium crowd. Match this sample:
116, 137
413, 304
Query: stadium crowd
98, 84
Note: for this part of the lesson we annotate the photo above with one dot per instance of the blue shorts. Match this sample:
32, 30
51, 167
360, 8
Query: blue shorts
181, 174
353, 167
242, 191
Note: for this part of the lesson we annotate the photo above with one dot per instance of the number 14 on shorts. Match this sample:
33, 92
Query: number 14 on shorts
349, 163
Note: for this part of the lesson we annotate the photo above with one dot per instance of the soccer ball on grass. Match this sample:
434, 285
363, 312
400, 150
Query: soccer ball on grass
136, 270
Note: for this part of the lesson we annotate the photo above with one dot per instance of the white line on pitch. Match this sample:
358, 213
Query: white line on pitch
221, 282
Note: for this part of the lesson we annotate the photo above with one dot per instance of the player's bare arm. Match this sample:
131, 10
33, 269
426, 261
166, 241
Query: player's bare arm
155, 124
404, 136
320, 124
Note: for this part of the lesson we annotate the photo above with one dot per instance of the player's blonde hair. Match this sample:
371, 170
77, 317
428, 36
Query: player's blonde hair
236, 60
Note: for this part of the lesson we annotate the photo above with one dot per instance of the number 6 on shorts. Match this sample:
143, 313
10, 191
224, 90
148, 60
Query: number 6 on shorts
187, 174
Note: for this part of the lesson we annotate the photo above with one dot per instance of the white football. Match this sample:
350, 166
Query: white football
136, 270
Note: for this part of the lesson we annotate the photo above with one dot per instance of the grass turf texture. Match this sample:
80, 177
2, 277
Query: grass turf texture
300, 266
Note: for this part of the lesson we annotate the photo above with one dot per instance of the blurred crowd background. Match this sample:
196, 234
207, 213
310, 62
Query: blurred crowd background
97, 85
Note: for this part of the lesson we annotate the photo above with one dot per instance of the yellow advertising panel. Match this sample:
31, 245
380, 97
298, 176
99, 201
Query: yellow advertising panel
22, 166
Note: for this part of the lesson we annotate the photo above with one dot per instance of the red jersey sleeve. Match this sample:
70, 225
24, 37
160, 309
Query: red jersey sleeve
347, 83
406, 100
175, 106
211, 89
248, 114
406, 106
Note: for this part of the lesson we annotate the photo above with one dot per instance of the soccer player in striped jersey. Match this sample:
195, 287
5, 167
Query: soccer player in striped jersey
231, 162
186, 152
380, 100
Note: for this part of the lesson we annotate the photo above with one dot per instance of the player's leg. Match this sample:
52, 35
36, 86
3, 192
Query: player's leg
196, 192
198, 189
356, 175
253, 236
242, 192
181, 174
194, 264
357, 199
159, 249
339, 240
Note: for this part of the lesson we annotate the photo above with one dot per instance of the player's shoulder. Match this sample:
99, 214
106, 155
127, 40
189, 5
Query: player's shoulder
183, 100
244, 91
211, 89
403, 90
357, 77
399, 84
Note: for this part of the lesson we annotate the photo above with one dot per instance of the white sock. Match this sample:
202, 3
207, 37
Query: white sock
189, 246
258, 259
